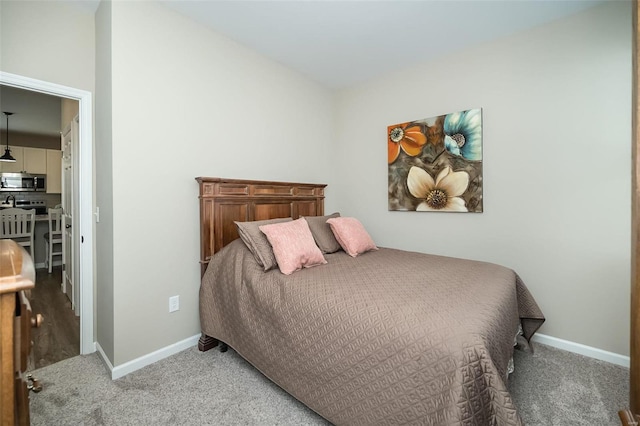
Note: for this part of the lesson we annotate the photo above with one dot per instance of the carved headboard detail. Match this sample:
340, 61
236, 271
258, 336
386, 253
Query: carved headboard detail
223, 201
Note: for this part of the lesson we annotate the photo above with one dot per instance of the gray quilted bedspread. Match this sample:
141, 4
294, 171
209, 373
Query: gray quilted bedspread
389, 337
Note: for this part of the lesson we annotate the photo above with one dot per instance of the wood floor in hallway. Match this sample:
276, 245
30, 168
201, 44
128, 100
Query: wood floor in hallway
58, 337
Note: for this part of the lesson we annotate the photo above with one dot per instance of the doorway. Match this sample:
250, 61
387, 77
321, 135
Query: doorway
83, 198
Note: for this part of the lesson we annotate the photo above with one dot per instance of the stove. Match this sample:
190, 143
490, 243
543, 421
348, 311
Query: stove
39, 205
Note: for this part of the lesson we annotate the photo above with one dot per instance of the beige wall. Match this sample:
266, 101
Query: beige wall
105, 308
48, 40
187, 103
557, 171
69, 108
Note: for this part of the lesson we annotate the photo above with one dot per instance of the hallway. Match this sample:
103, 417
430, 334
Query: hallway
58, 337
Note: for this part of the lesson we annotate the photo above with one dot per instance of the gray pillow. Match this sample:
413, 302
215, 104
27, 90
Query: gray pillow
257, 242
322, 233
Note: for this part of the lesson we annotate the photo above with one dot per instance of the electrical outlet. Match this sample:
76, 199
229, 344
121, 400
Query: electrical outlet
174, 303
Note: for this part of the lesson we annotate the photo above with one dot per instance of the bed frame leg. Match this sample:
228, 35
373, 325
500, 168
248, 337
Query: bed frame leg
223, 347
207, 342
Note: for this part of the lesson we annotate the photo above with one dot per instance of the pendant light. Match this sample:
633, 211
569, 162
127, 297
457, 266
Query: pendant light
7, 152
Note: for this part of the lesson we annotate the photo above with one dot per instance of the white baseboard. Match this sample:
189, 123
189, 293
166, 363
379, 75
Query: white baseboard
104, 357
167, 351
143, 361
581, 349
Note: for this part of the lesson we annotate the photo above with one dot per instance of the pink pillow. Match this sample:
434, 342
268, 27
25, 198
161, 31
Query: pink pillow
351, 235
293, 245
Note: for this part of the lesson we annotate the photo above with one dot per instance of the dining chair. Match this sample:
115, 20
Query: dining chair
18, 225
53, 237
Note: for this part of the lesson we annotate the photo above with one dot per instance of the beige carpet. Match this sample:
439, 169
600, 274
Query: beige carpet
550, 387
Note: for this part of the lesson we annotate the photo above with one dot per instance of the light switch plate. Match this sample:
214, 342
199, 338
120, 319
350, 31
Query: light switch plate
174, 303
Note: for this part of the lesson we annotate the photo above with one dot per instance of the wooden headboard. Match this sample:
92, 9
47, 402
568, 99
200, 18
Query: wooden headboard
223, 201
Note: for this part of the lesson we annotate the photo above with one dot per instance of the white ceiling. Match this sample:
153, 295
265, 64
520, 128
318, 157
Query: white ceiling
342, 43
337, 43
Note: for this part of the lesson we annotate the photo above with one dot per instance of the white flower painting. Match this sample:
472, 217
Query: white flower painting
435, 164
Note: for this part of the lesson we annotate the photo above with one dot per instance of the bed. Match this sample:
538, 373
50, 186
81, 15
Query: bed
387, 337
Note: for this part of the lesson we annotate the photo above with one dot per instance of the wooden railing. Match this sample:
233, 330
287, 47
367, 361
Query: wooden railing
16, 276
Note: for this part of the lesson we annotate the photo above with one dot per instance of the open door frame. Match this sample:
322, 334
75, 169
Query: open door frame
84, 211
632, 415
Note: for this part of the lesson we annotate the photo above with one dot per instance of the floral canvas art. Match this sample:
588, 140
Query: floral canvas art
435, 164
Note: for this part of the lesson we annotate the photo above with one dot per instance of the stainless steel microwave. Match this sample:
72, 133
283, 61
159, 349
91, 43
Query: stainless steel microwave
22, 182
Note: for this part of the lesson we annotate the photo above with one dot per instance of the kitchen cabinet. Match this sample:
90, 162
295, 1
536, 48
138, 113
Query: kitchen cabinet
54, 171
35, 160
18, 153
29, 160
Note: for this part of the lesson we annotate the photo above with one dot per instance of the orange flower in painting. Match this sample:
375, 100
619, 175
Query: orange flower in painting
409, 138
